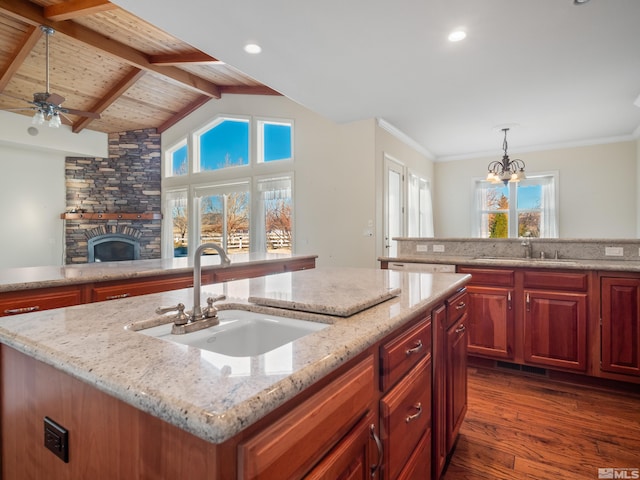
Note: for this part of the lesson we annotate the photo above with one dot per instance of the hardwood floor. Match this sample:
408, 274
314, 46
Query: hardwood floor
524, 427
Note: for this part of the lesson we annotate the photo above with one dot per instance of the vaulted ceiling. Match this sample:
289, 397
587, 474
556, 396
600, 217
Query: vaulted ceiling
105, 60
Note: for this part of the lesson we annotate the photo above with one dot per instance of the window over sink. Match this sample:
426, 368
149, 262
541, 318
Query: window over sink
524, 209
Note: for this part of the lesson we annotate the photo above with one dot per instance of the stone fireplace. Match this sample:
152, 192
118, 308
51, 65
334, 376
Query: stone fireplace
114, 204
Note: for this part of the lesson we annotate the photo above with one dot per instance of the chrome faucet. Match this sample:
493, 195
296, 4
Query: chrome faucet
526, 243
196, 313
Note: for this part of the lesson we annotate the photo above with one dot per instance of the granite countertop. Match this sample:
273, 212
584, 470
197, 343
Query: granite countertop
210, 395
549, 263
22, 278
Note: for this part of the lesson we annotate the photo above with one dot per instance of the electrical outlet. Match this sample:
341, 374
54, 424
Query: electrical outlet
422, 248
614, 251
56, 439
438, 248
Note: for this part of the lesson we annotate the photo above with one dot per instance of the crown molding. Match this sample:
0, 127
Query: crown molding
404, 138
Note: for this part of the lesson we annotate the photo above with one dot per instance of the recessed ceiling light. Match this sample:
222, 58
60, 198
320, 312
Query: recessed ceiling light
457, 35
252, 48
580, 2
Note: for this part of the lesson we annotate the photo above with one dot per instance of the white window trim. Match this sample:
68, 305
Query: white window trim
260, 121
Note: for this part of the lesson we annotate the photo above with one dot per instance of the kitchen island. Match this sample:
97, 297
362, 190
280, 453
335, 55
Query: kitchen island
215, 399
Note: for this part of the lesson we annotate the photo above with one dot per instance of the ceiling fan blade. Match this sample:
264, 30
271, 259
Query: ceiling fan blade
81, 113
55, 99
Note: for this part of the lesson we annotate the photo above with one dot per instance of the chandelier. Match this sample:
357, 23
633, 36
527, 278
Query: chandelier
506, 170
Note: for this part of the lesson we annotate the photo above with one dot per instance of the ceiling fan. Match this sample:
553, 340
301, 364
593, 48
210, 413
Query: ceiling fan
48, 106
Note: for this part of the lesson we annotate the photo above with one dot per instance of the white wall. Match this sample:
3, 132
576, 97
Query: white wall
32, 197
597, 191
32, 188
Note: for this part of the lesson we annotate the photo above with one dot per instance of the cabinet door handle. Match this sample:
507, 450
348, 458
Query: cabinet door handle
418, 407
15, 311
528, 303
461, 329
460, 306
415, 349
115, 297
376, 466
509, 300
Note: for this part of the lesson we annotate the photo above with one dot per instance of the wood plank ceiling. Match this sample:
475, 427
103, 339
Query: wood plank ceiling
103, 59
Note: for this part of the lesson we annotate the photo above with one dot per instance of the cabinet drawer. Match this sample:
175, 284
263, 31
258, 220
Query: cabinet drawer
419, 465
291, 446
42, 299
399, 355
405, 415
457, 306
489, 276
555, 280
117, 290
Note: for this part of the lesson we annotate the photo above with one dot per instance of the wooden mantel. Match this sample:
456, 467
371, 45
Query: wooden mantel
111, 216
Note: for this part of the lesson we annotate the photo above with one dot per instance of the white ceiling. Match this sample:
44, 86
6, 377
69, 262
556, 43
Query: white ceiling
565, 74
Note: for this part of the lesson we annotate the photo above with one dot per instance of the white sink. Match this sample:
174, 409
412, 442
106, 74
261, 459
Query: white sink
241, 333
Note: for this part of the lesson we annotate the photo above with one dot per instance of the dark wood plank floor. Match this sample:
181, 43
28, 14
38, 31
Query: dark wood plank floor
524, 427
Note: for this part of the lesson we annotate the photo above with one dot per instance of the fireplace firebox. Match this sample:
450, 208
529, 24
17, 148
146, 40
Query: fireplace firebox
113, 247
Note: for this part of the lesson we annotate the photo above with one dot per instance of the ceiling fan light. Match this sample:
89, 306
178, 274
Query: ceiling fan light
38, 118
54, 121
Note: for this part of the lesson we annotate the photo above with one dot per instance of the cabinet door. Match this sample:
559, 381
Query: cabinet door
291, 446
621, 325
439, 416
555, 326
491, 322
25, 301
456, 378
351, 459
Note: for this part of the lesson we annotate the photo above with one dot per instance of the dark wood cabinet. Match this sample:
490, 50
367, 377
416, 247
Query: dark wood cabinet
555, 319
555, 329
491, 328
620, 330
492, 308
439, 360
37, 299
456, 352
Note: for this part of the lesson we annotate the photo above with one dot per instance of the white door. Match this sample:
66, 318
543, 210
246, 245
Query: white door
393, 205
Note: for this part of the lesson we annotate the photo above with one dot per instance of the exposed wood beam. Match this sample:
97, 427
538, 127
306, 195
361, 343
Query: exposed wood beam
197, 103
34, 15
248, 90
76, 8
183, 58
116, 92
31, 38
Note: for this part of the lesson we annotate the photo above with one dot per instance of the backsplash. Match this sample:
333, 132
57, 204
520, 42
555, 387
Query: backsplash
575, 249
126, 182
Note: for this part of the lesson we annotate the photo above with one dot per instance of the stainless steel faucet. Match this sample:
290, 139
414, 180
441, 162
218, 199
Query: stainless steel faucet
526, 243
196, 313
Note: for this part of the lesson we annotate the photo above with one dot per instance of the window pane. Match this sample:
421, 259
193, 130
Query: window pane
177, 205
529, 196
224, 219
497, 198
179, 161
498, 225
276, 142
529, 224
225, 145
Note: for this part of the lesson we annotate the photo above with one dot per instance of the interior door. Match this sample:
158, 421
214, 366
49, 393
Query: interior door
393, 205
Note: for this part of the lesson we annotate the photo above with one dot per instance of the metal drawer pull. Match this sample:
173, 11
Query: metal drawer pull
417, 406
461, 328
14, 311
115, 297
415, 349
376, 466
460, 306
